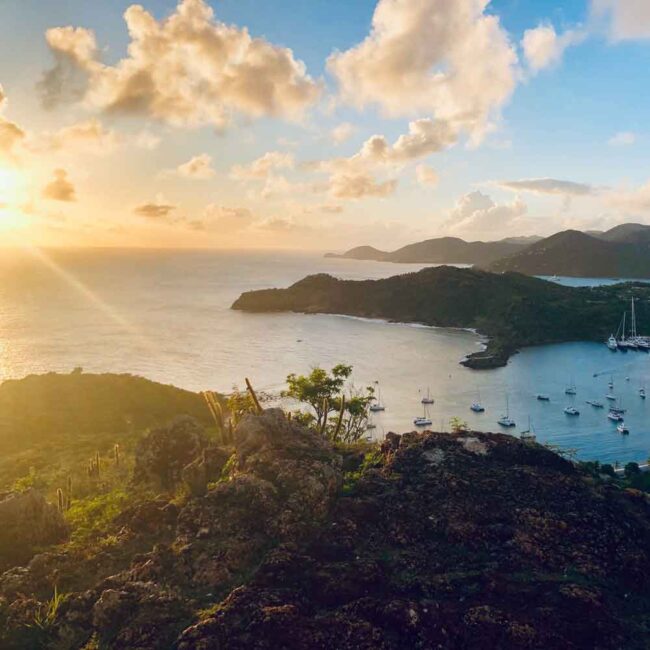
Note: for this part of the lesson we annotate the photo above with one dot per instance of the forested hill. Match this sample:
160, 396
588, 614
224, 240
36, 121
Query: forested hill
512, 309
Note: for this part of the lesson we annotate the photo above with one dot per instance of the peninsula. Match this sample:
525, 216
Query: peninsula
511, 309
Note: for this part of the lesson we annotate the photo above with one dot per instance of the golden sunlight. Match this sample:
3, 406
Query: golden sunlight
12, 185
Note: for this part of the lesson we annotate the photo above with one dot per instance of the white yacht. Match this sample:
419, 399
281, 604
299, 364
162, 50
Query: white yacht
611, 343
610, 397
595, 403
506, 420
477, 408
621, 428
615, 416
422, 422
571, 410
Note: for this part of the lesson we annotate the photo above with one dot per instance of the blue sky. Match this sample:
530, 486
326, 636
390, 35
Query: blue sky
577, 116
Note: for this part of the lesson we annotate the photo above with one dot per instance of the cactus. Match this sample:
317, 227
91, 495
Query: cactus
68, 496
258, 408
59, 498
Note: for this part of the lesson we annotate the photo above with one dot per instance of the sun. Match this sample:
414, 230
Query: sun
11, 183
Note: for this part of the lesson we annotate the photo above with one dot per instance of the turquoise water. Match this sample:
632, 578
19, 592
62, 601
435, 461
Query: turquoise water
165, 315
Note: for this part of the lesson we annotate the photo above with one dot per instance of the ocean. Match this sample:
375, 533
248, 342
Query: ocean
166, 315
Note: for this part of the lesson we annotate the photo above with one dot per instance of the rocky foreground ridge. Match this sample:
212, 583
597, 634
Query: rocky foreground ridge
435, 540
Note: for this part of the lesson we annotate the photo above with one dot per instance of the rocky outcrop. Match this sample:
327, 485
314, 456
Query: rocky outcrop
436, 541
161, 455
27, 521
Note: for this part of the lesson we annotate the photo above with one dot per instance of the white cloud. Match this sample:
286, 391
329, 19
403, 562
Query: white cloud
199, 168
548, 186
263, 166
227, 219
426, 176
543, 47
627, 19
342, 132
60, 188
622, 139
358, 185
479, 216
438, 57
11, 135
89, 137
188, 70
147, 140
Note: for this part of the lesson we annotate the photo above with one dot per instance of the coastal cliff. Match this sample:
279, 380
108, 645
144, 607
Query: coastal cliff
431, 540
513, 310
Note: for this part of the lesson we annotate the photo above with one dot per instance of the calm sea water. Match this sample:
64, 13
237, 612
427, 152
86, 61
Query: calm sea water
165, 315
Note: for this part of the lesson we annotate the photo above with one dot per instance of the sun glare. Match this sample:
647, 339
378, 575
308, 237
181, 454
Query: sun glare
11, 186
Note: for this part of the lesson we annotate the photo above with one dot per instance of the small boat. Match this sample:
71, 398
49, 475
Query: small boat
477, 408
595, 403
610, 397
571, 410
571, 388
422, 422
543, 398
611, 343
627, 379
506, 420
622, 429
370, 426
642, 394
614, 416
377, 405
529, 434
427, 399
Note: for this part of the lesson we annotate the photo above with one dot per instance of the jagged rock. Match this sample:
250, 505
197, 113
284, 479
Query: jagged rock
27, 521
207, 468
139, 615
161, 455
300, 464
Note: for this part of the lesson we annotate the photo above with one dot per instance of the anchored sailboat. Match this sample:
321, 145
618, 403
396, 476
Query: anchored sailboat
427, 399
377, 404
506, 420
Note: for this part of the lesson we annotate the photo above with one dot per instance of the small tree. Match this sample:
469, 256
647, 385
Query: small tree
319, 389
457, 425
339, 417
632, 469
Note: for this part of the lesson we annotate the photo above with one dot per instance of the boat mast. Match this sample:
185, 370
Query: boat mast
633, 320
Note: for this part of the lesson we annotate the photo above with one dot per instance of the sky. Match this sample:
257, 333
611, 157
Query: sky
320, 125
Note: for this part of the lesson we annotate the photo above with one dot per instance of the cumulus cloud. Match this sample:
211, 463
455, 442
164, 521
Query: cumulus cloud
446, 59
89, 136
188, 70
263, 166
634, 201
199, 168
356, 186
11, 135
60, 188
548, 186
622, 139
543, 47
155, 210
342, 133
627, 19
426, 176
478, 214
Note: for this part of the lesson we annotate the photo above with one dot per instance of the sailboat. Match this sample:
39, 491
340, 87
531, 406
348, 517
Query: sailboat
506, 420
611, 343
377, 405
571, 388
571, 410
595, 403
424, 420
529, 434
477, 407
427, 399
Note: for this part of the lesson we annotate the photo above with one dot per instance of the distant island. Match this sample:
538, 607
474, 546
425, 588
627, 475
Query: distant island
622, 252
511, 309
